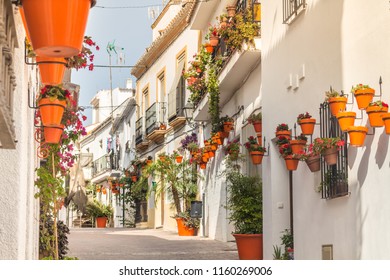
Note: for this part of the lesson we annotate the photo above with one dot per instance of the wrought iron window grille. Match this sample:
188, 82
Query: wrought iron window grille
292, 9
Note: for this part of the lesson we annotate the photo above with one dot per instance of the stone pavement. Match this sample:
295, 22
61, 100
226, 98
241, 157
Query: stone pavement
145, 244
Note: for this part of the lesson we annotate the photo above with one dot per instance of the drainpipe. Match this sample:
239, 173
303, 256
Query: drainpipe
291, 203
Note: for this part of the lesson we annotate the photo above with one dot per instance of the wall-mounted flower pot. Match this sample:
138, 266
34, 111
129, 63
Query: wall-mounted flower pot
346, 119
307, 126
209, 48
330, 156
257, 157
313, 163
183, 230
375, 115
51, 69
285, 133
357, 134
53, 133
337, 104
231, 11
258, 126
202, 165
214, 40
51, 111
217, 139
249, 246
291, 162
134, 178
211, 154
364, 97
228, 126
297, 146
386, 121
179, 159
101, 222
57, 27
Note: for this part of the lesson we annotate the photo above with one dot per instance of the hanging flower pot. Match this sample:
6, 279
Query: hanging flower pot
217, 139
307, 126
51, 69
134, 178
330, 156
291, 162
357, 134
214, 40
202, 165
285, 133
231, 11
53, 133
337, 104
211, 154
375, 112
346, 119
364, 97
297, 146
386, 121
314, 163
51, 111
257, 157
57, 28
258, 126
209, 48
179, 159
228, 126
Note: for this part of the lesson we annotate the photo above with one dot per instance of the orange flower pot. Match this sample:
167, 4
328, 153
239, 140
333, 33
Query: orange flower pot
203, 165
346, 119
209, 48
307, 126
227, 126
179, 159
101, 222
211, 154
51, 111
249, 246
53, 133
257, 157
386, 121
51, 69
364, 97
134, 178
182, 229
258, 126
375, 115
217, 140
357, 134
57, 28
291, 163
214, 41
285, 133
297, 146
337, 104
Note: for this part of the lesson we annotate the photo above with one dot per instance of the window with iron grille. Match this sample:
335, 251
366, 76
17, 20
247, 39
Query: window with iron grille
292, 9
334, 178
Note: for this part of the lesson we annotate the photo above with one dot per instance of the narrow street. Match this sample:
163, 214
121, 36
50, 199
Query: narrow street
145, 244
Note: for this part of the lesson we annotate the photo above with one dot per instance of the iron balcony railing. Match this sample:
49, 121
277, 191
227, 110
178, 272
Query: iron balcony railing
154, 116
101, 164
291, 9
139, 130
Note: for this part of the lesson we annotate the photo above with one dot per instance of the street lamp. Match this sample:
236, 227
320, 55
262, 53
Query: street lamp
256, 11
188, 111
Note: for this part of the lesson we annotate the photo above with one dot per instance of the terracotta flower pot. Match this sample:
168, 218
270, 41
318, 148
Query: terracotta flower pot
203, 165
258, 126
285, 133
183, 230
375, 115
134, 178
364, 97
307, 126
228, 126
297, 146
386, 121
209, 48
357, 134
179, 159
214, 40
346, 119
101, 222
51, 69
337, 104
249, 246
51, 111
291, 163
217, 140
56, 28
53, 133
314, 163
231, 11
330, 156
211, 154
257, 157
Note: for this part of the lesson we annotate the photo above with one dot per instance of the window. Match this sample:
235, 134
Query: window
161, 87
145, 94
176, 96
292, 9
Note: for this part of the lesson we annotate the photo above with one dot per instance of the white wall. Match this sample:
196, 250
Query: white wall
339, 50
19, 213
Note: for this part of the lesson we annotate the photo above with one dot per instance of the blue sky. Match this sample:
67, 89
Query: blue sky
130, 28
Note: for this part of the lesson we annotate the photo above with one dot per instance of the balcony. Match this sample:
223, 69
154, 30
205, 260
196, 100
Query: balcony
154, 119
141, 143
176, 100
101, 168
203, 14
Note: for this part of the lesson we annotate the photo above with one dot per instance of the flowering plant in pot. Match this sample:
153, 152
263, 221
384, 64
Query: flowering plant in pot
255, 150
337, 101
100, 212
85, 57
227, 123
232, 149
329, 148
363, 94
283, 130
306, 123
256, 121
311, 155
375, 110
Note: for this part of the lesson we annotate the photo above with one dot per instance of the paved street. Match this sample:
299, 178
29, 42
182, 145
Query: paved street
145, 244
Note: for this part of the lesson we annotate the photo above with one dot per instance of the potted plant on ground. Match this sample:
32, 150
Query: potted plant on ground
100, 212
245, 207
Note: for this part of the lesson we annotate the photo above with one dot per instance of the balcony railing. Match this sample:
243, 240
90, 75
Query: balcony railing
154, 116
101, 165
291, 9
139, 130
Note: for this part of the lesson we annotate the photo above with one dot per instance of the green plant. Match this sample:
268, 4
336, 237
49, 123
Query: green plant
255, 117
97, 209
333, 179
226, 119
84, 57
303, 116
288, 242
54, 92
213, 89
378, 103
282, 126
359, 87
252, 145
332, 93
322, 144
244, 202
277, 255
189, 222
